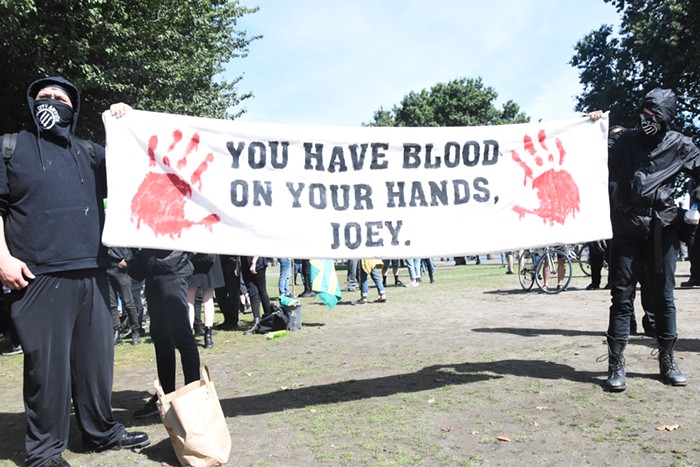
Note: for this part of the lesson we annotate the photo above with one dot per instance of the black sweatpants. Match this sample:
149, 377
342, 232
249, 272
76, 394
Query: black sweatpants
65, 328
166, 296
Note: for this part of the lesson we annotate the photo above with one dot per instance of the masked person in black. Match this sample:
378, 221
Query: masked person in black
51, 200
647, 227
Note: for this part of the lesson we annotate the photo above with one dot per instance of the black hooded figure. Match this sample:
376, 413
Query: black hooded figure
51, 256
647, 226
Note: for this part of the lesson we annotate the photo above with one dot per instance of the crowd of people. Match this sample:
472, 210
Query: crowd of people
65, 287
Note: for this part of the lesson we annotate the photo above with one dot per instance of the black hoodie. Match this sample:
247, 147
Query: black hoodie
643, 168
51, 195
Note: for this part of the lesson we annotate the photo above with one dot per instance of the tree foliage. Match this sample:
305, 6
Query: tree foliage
158, 55
657, 45
460, 102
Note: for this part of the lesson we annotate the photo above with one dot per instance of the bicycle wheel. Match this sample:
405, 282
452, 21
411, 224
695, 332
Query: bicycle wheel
553, 264
526, 269
584, 261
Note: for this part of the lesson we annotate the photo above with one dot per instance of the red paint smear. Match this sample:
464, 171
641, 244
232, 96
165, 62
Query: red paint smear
177, 137
541, 137
529, 146
562, 152
152, 143
197, 175
558, 195
523, 165
193, 145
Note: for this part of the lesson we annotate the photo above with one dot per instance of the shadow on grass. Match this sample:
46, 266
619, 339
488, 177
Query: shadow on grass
534, 290
428, 378
683, 345
537, 332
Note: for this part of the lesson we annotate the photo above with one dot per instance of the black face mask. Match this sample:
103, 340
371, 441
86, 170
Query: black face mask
650, 124
54, 118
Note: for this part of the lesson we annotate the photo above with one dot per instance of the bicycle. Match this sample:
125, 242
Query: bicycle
542, 267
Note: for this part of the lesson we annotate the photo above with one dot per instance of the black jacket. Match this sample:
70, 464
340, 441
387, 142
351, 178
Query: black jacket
51, 196
151, 262
117, 254
643, 170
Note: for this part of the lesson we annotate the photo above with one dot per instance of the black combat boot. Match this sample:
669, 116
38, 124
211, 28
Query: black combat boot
668, 367
135, 336
616, 366
208, 341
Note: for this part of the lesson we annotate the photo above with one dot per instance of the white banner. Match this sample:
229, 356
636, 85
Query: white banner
221, 186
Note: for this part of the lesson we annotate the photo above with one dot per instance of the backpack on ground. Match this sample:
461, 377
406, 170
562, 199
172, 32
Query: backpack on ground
275, 321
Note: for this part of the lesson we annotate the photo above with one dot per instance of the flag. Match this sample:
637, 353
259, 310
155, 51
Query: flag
324, 281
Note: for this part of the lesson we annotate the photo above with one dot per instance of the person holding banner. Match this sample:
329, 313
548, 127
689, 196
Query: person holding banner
647, 228
52, 187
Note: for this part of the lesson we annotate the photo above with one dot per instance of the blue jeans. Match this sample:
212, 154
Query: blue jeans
285, 273
413, 268
353, 265
364, 281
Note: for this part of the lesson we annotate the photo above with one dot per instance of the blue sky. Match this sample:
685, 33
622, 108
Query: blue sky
335, 62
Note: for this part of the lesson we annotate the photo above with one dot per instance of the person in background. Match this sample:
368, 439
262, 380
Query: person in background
51, 256
167, 275
228, 296
413, 265
428, 266
120, 286
285, 275
353, 271
370, 267
306, 279
253, 270
395, 265
207, 276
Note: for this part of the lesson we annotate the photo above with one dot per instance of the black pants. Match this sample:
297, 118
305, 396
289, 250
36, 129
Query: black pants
306, 274
120, 283
694, 257
229, 296
166, 296
628, 256
257, 290
65, 329
136, 289
596, 256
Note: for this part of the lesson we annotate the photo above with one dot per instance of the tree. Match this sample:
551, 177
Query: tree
657, 45
158, 55
460, 102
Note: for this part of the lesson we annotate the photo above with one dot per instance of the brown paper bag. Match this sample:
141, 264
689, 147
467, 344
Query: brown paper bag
196, 424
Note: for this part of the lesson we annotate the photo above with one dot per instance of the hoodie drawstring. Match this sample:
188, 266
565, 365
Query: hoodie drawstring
75, 158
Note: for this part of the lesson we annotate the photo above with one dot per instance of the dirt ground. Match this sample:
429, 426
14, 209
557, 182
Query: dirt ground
467, 371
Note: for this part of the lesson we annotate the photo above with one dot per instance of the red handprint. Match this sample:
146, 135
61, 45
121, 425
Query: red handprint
160, 200
557, 191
